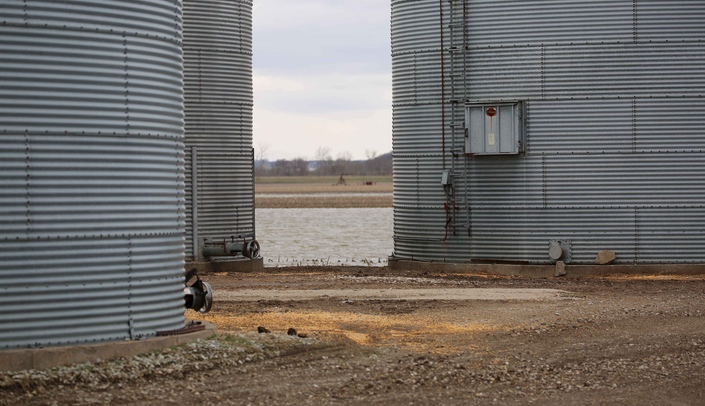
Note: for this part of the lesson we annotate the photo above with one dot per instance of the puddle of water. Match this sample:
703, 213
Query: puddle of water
360, 236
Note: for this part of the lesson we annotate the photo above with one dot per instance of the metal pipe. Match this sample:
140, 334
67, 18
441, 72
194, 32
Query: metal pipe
222, 250
249, 249
254, 212
194, 201
443, 92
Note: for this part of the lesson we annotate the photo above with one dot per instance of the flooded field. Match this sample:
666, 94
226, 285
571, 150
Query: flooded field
325, 236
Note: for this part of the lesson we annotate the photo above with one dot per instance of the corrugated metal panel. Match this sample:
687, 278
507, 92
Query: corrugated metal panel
417, 181
91, 158
417, 236
659, 235
416, 25
416, 128
587, 71
616, 125
614, 146
685, 118
225, 195
521, 22
580, 126
523, 234
497, 74
419, 210
417, 78
624, 70
219, 99
670, 234
588, 180
655, 20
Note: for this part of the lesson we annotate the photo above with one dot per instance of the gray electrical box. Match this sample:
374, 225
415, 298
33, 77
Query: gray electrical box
445, 178
494, 128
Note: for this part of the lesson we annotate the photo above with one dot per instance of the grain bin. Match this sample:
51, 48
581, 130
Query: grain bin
219, 155
91, 171
527, 126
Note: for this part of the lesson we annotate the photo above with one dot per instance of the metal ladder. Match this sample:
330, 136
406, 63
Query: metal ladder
458, 94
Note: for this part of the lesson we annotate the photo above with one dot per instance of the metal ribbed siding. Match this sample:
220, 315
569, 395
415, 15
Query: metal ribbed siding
615, 149
91, 158
219, 100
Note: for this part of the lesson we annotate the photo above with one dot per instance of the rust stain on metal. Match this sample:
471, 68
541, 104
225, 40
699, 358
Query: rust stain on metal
191, 328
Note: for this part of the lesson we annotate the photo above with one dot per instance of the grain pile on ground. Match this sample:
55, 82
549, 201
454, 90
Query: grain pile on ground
611, 340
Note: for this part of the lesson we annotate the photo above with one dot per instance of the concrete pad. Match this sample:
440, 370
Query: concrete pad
50, 357
546, 271
392, 294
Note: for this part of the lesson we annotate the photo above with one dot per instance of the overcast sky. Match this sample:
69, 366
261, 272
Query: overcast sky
322, 77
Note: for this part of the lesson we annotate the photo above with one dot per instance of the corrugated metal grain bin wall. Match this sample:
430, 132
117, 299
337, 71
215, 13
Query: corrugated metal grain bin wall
611, 151
219, 100
91, 171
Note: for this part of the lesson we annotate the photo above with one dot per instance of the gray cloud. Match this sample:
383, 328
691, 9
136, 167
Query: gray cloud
322, 76
321, 36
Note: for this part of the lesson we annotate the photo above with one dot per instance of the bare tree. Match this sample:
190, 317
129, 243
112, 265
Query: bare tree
342, 163
299, 167
324, 160
262, 150
370, 154
344, 156
322, 154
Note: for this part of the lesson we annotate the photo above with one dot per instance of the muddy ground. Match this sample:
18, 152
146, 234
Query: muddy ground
619, 340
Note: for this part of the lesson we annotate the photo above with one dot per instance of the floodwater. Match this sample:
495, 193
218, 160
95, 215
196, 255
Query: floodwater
349, 236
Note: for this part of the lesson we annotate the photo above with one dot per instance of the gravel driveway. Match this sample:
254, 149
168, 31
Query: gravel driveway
620, 340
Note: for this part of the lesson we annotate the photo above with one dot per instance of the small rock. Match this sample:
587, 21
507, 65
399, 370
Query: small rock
560, 269
303, 335
291, 331
605, 257
261, 330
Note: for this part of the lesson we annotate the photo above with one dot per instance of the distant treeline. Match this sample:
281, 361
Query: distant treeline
380, 165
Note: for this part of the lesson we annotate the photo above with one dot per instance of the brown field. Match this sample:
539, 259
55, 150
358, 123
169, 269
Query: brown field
322, 202
307, 188
322, 195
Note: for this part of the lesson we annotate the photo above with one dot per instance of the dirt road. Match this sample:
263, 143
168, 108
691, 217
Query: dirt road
377, 337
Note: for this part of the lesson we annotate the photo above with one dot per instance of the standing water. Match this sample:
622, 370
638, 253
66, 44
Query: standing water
347, 236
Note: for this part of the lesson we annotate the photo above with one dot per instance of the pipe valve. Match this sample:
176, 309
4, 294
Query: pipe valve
248, 248
199, 295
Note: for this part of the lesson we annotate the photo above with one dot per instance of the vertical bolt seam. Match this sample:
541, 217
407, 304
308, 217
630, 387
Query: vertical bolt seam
543, 72
636, 235
545, 191
634, 125
28, 174
127, 85
634, 21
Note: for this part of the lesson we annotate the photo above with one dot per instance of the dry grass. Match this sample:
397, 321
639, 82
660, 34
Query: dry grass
322, 202
307, 188
322, 179
322, 195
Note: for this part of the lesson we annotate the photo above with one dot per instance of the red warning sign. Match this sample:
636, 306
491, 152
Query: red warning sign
491, 112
